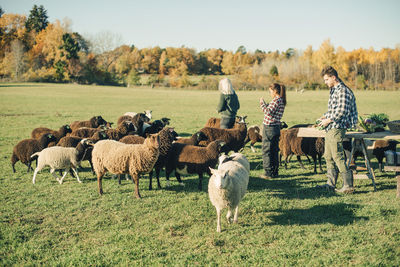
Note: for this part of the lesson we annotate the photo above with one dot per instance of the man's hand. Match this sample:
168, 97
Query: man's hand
325, 122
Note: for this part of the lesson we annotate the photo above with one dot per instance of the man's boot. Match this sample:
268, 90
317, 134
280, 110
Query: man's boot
348, 187
332, 175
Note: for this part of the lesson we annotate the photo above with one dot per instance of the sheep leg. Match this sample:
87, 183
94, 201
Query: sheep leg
52, 171
301, 163
235, 217
167, 173
62, 178
34, 175
158, 177
150, 180
315, 163
14, 160
178, 177
320, 163
135, 178
91, 166
76, 173
218, 220
229, 215
200, 181
99, 182
29, 166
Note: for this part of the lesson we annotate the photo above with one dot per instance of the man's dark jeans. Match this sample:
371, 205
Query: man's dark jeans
227, 122
270, 149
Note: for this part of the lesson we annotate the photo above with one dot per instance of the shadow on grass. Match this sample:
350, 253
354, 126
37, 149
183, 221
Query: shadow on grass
19, 85
293, 188
337, 214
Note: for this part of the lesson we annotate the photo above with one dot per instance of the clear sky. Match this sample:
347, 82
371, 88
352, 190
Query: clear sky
227, 24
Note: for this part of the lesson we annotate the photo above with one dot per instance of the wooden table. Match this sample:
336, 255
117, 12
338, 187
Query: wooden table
357, 137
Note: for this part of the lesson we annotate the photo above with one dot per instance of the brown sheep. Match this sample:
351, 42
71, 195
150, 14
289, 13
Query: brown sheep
290, 144
233, 138
194, 140
188, 159
27, 147
87, 132
63, 131
132, 139
94, 122
124, 118
122, 130
216, 122
167, 137
254, 135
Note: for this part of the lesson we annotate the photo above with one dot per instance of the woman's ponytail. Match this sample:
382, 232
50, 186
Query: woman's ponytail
281, 90
282, 94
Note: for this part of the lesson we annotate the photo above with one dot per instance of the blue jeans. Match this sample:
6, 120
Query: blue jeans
270, 149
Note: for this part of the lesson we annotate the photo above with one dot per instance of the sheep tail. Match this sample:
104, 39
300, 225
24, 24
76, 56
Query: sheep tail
33, 156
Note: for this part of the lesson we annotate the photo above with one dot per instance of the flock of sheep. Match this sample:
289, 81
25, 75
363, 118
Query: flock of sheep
138, 146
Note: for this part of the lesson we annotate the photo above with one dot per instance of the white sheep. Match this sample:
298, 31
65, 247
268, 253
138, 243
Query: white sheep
58, 158
118, 158
228, 185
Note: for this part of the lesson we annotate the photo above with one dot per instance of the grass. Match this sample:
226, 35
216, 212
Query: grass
282, 221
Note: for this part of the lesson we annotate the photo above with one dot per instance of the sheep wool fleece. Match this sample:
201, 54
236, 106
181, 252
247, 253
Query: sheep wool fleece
119, 158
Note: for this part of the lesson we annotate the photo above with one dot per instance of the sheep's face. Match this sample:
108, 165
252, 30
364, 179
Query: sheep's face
129, 126
201, 137
100, 121
173, 136
241, 119
51, 138
148, 114
153, 140
165, 121
87, 142
143, 117
222, 147
220, 178
67, 129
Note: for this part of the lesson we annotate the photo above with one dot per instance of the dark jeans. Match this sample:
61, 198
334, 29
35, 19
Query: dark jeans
270, 149
227, 122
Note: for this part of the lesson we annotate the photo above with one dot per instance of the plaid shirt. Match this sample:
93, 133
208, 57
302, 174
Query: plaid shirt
342, 108
273, 111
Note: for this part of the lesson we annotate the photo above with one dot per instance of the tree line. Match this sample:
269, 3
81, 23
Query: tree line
33, 49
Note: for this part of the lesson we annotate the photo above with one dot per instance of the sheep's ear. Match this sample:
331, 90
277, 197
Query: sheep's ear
212, 170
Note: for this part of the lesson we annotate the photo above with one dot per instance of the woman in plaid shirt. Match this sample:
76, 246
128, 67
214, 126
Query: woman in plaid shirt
273, 113
342, 115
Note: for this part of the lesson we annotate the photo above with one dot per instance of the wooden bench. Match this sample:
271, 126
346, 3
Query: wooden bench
397, 170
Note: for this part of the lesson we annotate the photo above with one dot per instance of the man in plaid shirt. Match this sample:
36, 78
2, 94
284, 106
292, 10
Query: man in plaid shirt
342, 115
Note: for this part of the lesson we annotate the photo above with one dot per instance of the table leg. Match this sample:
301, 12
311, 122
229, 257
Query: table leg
353, 146
367, 162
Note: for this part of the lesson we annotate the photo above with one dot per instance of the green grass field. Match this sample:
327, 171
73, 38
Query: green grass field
282, 222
